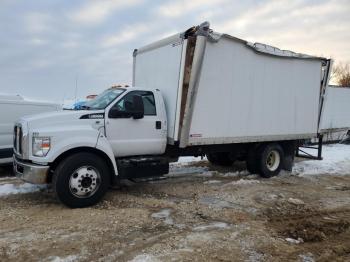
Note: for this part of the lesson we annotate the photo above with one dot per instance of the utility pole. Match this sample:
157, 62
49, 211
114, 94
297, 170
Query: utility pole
76, 88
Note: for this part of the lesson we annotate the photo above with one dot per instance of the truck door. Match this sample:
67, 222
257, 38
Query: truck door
131, 137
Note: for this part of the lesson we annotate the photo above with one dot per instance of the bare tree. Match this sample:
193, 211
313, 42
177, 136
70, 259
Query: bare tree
341, 73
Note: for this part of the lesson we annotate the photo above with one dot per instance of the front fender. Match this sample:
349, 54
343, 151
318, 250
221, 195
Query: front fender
104, 145
75, 137
67, 139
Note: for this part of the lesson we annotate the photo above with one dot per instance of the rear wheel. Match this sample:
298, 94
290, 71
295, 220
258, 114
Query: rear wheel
270, 160
81, 180
221, 159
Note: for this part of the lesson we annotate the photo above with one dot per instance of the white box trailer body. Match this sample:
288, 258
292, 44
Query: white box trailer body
13, 107
219, 89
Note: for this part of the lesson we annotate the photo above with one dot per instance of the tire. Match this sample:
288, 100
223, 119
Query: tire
270, 160
220, 159
81, 180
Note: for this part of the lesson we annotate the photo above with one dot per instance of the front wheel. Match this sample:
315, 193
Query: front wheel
81, 180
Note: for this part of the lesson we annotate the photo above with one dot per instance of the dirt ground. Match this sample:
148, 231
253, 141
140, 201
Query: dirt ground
196, 213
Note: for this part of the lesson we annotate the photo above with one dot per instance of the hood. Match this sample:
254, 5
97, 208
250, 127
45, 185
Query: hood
63, 118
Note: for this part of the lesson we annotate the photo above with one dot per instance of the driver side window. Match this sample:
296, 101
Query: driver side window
126, 103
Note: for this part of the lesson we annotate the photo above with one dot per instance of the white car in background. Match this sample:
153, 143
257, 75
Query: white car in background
13, 107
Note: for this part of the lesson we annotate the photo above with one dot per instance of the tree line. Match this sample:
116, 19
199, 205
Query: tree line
341, 74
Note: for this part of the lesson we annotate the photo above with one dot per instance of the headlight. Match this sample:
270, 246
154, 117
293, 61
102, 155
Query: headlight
41, 146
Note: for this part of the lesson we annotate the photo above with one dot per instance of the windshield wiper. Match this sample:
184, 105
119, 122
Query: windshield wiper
85, 107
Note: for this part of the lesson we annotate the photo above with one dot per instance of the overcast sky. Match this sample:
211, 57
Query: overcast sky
46, 45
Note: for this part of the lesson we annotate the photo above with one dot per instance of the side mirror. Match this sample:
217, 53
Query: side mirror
138, 109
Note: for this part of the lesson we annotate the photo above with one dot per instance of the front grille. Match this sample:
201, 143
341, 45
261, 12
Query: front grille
20, 140
17, 140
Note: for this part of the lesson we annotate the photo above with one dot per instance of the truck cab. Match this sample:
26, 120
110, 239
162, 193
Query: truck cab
140, 115
77, 151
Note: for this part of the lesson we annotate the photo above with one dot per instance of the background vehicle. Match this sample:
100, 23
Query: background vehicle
12, 107
207, 94
335, 115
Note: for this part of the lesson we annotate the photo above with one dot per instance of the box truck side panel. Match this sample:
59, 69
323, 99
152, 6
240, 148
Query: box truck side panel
336, 110
246, 96
161, 68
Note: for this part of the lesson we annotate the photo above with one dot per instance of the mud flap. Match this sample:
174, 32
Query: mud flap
288, 162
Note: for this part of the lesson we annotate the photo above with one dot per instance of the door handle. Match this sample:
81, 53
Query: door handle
158, 125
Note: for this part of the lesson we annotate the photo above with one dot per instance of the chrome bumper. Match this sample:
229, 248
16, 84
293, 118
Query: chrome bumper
32, 173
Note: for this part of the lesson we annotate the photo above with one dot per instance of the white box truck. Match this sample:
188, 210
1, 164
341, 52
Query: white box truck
12, 107
196, 93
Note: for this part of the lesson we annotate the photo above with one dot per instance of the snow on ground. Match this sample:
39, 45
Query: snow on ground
188, 159
70, 258
145, 258
212, 182
9, 189
213, 225
244, 182
336, 160
183, 167
180, 170
235, 174
164, 215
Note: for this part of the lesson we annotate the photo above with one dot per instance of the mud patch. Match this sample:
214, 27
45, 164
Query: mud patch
315, 230
312, 226
343, 188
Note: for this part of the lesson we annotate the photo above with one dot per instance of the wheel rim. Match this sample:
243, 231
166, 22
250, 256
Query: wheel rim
273, 160
84, 181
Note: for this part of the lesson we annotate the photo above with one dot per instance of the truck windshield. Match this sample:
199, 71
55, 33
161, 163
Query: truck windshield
103, 100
